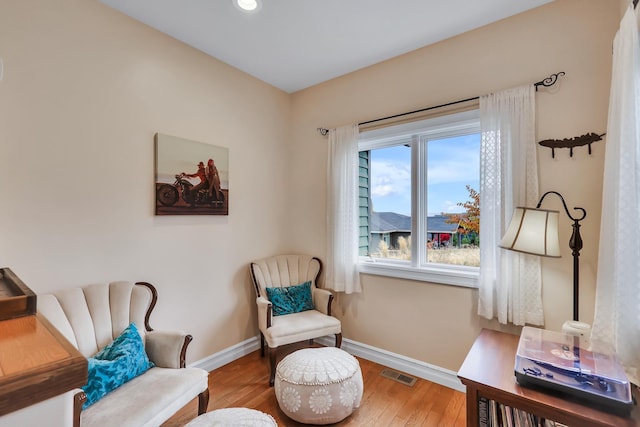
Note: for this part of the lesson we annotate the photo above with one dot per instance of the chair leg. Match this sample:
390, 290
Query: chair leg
339, 340
203, 402
261, 345
311, 342
78, 400
272, 364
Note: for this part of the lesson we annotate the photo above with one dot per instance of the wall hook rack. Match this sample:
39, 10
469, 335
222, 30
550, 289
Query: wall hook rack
570, 143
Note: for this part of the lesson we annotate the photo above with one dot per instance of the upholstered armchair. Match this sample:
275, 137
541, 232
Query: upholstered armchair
91, 318
287, 271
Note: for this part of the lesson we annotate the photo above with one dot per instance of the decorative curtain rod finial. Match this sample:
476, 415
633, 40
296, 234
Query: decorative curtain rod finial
549, 81
323, 131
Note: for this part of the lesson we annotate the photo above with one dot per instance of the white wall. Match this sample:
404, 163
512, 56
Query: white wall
84, 91
436, 323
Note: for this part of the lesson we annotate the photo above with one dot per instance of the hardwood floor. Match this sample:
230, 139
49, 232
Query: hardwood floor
245, 383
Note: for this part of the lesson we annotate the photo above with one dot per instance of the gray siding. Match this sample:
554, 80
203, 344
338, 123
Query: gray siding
364, 197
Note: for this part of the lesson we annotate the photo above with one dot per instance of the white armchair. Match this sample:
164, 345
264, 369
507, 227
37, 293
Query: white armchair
284, 271
91, 317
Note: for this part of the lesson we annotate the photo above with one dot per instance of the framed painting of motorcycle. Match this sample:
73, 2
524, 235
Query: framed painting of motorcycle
192, 178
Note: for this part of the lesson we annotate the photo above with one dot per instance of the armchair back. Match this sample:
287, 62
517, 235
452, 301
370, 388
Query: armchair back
92, 316
283, 271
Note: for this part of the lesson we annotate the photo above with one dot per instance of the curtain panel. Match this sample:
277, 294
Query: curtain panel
342, 211
510, 282
616, 318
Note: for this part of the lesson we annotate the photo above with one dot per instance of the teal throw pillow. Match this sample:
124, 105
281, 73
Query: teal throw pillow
120, 361
291, 299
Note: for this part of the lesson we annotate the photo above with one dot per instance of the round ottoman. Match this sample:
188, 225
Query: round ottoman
318, 385
244, 417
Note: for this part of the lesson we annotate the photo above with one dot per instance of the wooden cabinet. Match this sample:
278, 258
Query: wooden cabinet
36, 363
488, 371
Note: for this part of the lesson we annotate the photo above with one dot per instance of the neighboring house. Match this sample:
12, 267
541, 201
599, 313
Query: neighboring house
389, 226
439, 231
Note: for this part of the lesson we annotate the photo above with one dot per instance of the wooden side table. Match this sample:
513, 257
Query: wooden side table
488, 372
36, 363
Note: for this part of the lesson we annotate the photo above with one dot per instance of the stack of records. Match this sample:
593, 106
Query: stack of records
575, 366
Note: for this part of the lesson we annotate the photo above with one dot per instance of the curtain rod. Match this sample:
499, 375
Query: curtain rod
549, 81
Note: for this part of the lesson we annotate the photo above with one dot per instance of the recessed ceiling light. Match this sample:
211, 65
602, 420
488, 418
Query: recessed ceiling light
248, 5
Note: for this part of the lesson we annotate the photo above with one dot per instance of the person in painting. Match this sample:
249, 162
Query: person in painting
202, 175
213, 178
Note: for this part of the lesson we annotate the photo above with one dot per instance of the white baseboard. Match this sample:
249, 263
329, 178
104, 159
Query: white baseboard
386, 358
399, 362
228, 355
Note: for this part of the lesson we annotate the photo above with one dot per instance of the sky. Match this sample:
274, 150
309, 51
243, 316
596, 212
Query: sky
452, 164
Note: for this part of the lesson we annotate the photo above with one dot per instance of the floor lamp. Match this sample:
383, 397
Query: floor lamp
535, 231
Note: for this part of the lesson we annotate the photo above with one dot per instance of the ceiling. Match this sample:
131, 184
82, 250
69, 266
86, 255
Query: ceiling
294, 44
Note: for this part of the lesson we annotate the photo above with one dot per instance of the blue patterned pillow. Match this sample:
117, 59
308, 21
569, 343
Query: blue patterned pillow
120, 361
291, 299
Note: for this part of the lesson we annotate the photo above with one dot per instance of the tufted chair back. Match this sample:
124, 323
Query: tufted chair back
93, 316
283, 271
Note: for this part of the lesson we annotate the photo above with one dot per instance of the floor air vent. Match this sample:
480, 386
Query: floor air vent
399, 377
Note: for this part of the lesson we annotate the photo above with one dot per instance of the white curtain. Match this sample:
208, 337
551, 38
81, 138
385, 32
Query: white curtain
617, 311
510, 282
342, 211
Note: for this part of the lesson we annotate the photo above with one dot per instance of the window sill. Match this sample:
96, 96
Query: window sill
436, 273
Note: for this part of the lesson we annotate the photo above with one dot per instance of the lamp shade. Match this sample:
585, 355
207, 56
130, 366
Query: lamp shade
533, 231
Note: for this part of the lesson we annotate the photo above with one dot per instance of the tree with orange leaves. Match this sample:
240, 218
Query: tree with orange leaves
470, 219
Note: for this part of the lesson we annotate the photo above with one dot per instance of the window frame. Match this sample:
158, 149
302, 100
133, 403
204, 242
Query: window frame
418, 133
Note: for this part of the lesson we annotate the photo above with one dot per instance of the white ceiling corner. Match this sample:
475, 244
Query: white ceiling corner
295, 44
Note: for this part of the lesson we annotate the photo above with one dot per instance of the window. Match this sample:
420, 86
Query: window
418, 182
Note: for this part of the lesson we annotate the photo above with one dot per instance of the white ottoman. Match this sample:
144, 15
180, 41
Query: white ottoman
318, 385
244, 417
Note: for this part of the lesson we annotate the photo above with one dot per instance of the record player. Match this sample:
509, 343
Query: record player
574, 366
